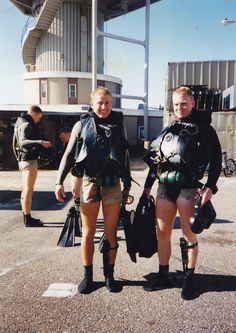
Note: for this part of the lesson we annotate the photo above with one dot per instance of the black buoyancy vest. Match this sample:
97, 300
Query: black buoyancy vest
101, 143
180, 147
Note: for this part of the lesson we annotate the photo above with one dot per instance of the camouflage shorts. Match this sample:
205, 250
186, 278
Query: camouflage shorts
109, 195
172, 193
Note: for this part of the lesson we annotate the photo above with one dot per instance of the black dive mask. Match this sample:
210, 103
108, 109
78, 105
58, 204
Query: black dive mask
203, 217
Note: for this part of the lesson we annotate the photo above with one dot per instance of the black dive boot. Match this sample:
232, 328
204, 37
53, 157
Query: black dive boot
112, 285
29, 221
86, 285
108, 269
188, 290
160, 281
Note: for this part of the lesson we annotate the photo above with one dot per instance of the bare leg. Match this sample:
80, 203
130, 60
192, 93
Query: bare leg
28, 182
75, 186
89, 213
165, 212
111, 215
186, 210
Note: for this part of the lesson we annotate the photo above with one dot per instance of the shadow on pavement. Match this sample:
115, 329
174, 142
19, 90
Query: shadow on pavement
218, 283
42, 200
98, 285
216, 221
132, 282
204, 282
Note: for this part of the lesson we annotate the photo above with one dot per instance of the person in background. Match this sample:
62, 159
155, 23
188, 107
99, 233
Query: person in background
28, 143
179, 161
98, 152
64, 135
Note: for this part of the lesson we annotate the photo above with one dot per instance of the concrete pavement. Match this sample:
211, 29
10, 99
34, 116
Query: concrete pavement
31, 263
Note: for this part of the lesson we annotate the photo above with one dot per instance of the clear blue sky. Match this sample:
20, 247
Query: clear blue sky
180, 30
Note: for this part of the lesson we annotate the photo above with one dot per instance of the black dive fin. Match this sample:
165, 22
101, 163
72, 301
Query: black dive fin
78, 221
67, 237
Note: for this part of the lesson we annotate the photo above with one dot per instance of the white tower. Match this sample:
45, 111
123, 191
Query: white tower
57, 49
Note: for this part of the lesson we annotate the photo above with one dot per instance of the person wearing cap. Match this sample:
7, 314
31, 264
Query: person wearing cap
28, 142
178, 159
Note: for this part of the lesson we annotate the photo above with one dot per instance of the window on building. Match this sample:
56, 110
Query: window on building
118, 92
101, 83
72, 91
43, 91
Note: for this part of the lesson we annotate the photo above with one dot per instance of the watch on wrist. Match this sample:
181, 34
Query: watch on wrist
214, 188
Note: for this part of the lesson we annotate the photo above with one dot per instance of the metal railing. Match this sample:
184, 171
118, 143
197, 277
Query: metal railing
30, 23
145, 43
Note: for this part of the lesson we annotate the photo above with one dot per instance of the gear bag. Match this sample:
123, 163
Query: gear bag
127, 220
144, 227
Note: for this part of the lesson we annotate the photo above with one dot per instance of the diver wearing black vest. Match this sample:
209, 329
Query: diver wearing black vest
184, 149
178, 159
102, 153
97, 152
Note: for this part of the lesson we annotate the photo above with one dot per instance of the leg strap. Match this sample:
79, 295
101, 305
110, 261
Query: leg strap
185, 246
191, 246
115, 247
104, 245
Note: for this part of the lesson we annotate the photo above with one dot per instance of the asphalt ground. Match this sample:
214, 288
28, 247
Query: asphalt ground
35, 273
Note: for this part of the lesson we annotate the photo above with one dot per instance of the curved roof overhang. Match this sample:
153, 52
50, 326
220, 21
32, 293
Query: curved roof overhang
110, 8
24, 5
113, 8
41, 24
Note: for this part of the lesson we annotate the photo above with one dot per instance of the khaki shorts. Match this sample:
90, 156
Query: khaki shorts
109, 195
28, 165
172, 193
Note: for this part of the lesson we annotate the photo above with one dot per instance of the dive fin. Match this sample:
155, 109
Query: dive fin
78, 221
67, 237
